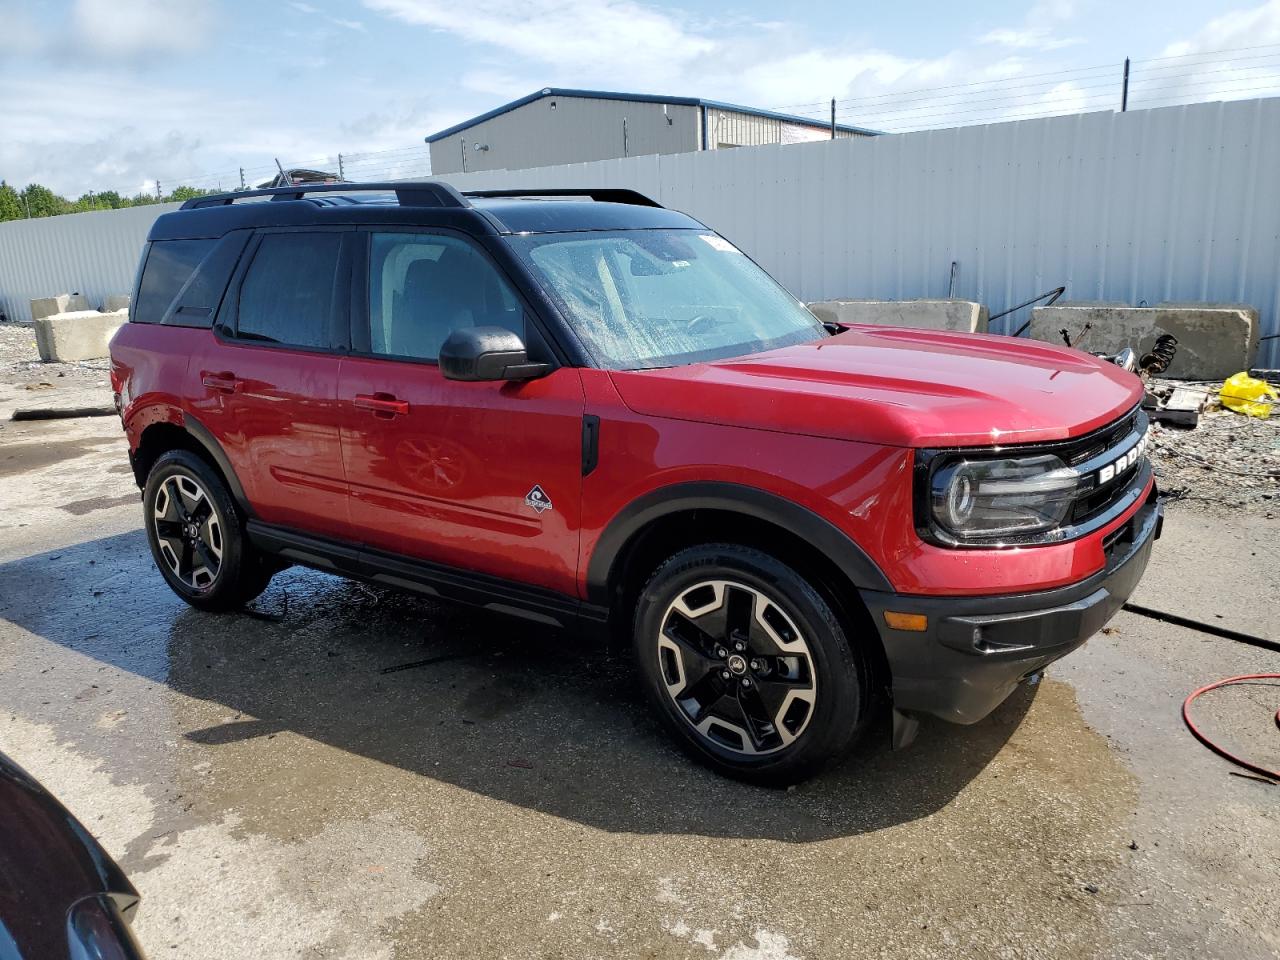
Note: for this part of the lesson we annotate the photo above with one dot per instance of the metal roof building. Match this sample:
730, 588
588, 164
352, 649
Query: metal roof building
556, 126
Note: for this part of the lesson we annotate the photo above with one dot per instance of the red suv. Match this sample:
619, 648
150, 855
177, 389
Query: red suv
577, 406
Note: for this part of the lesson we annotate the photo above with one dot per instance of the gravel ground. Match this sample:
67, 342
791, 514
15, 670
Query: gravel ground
26, 381
1228, 461
21, 365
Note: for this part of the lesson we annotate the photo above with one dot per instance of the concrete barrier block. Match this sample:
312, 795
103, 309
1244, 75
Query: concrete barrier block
48, 306
118, 301
963, 316
79, 335
60, 303
1214, 340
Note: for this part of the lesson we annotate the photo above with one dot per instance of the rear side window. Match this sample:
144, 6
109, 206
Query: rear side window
287, 295
170, 264
198, 300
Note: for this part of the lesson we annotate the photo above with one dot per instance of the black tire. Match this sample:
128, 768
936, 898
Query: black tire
829, 708
233, 572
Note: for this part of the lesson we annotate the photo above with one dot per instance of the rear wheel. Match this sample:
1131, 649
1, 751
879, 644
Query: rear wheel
748, 665
197, 537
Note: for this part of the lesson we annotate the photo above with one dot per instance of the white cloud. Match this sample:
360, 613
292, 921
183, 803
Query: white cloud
1028, 38
1041, 29
1189, 71
574, 35
132, 27
312, 11
1249, 27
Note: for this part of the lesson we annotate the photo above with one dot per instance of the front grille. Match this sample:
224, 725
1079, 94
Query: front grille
1091, 445
1093, 454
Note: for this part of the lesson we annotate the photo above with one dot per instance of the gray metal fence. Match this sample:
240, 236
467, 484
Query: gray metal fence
91, 253
1177, 203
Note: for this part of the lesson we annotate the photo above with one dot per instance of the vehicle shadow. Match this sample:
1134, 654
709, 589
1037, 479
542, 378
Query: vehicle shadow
543, 719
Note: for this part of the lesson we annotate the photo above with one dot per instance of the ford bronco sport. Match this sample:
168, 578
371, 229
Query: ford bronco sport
577, 406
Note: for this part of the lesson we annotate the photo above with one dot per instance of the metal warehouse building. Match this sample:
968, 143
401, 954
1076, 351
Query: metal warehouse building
556, 126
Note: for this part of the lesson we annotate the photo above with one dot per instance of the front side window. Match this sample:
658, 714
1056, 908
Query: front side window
422, 287
287, 295
659, 298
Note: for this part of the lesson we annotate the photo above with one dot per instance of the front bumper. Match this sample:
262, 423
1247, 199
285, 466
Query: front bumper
976, 650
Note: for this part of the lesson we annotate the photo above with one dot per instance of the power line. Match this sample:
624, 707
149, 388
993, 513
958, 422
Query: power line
954, 86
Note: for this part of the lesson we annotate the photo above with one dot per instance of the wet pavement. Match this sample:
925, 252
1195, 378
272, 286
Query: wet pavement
348, 772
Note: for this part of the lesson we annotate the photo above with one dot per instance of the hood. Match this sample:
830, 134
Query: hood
898, 386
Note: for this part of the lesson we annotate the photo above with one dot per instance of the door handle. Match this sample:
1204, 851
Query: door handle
382, 404
222, 382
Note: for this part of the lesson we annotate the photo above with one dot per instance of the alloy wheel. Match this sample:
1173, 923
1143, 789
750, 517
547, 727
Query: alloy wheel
737, 668
188, 532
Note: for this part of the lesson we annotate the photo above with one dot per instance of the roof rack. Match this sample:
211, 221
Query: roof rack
410, 193
598, 194
422, 193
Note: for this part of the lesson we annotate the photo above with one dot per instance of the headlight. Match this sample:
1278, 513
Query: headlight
990, 499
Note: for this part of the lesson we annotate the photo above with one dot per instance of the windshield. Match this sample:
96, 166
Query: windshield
659, 298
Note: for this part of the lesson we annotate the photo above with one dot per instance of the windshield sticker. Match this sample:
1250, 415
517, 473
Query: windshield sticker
718, 243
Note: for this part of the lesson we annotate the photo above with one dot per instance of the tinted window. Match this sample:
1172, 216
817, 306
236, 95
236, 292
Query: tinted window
287, 296
423, 287
170, 264
198, 300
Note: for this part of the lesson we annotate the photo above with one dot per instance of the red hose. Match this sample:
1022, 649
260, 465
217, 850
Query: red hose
1220, 751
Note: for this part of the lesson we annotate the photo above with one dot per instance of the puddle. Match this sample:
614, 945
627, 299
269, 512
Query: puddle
16, 458
80, 507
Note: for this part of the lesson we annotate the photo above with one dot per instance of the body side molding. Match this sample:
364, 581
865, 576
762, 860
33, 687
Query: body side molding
204, 436
836, 545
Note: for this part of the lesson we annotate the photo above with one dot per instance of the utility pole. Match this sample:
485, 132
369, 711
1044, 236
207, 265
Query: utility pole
242, 178
833, 118
624, 136
159, 192
342, 175
1124, 92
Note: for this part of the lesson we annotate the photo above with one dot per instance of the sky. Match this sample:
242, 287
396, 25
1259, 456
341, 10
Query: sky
119, 94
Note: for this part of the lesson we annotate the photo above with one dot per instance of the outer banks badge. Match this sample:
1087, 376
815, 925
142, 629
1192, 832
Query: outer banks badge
537, 499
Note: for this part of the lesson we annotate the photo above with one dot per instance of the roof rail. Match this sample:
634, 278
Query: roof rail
410, 193
599, 194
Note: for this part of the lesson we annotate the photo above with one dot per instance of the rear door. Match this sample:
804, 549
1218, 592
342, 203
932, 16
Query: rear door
480, 476
267, 381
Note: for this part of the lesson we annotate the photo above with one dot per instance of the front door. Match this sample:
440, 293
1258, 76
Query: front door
267, 383
479, 476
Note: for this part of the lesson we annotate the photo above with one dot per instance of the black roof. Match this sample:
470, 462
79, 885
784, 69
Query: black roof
422, 202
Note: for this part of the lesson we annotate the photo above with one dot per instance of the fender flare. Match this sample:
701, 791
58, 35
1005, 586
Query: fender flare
205, 438
825, 536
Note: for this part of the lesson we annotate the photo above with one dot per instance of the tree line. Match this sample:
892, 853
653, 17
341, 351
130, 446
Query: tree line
35, 200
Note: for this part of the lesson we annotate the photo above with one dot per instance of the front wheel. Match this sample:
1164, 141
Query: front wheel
748, 665
196, 536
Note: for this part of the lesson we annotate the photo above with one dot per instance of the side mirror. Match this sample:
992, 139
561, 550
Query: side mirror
487, 353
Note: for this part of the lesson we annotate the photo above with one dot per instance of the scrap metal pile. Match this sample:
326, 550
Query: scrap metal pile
1224, 457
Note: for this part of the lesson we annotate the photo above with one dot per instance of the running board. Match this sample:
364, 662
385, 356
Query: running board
426, 578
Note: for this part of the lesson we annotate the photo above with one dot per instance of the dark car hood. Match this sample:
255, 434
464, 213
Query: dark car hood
48, 863
891, 385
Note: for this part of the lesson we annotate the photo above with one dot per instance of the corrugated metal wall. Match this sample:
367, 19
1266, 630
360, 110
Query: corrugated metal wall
1173, 204
91, 253
538, 134
1179, 203
733, 129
